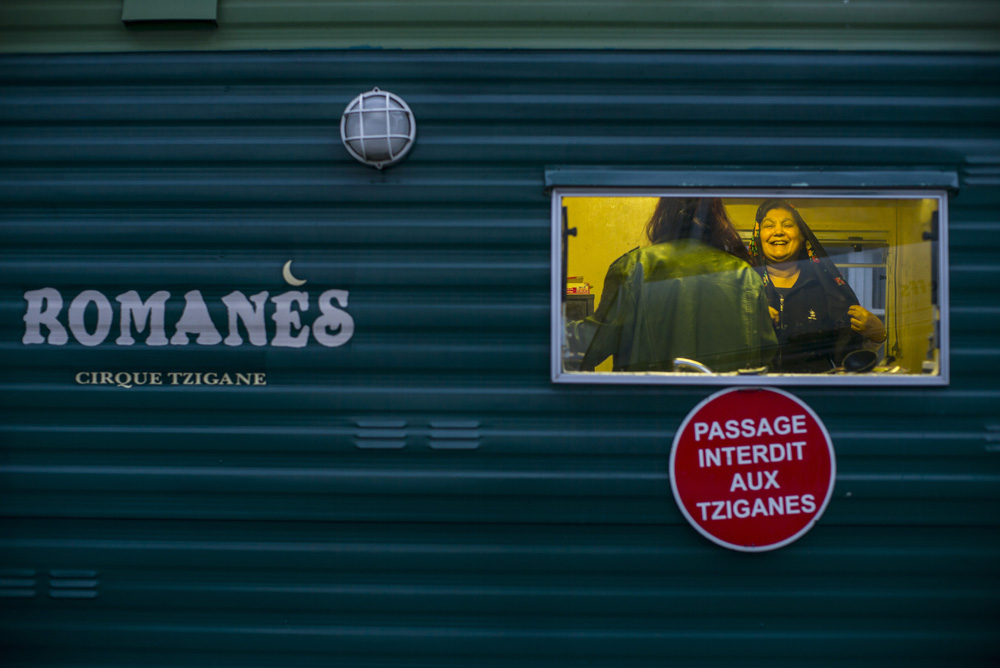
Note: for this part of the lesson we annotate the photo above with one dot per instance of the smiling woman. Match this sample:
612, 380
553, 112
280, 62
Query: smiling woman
780, 235
837, 291
816, 314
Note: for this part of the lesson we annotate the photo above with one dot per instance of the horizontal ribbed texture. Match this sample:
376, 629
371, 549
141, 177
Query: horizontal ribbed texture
896, 25
423, 495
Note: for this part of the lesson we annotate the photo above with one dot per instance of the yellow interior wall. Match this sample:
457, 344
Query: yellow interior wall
912, 269
608, 227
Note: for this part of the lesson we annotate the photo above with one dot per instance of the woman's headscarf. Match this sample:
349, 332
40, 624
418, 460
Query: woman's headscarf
833, 284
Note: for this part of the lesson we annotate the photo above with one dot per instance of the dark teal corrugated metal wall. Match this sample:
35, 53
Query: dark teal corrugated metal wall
423, 496
55, 26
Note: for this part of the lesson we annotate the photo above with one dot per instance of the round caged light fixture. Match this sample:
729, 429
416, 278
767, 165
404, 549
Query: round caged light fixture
378, 128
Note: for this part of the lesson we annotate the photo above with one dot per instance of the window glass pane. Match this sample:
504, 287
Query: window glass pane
769, 289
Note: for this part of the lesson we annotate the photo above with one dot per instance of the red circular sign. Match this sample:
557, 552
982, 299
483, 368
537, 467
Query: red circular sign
752, 469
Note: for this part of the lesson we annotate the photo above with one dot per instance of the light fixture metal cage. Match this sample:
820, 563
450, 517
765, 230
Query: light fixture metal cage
378, 128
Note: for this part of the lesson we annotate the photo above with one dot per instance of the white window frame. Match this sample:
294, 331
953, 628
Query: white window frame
558, 375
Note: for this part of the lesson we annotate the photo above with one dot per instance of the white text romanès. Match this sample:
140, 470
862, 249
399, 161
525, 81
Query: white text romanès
45, 321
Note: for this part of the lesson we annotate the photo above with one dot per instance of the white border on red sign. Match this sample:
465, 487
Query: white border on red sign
744, 548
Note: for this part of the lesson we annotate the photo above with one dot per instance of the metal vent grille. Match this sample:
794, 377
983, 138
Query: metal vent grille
454, 435
380, 434
18, 583
73, 584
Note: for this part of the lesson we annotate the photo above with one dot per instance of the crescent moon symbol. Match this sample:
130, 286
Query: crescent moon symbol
286, 273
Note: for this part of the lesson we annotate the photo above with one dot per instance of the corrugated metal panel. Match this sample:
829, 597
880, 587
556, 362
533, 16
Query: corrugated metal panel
424, 496
897, 25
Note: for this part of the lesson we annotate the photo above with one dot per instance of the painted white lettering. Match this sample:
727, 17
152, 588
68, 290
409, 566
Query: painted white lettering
240, 310
43, 309
798, 424
808, 503
782, 425
749, 428
771, 506
798, 448
134, 310
334, 327
727, 450
713, 457
792, 504
715, 431
748, 455
77, 325
91, 315
131, 379
286, 320
738, 483
741, 508
195, 320
743, 455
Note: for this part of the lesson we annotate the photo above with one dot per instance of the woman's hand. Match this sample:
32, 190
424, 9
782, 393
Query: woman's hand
775, 316
866, 323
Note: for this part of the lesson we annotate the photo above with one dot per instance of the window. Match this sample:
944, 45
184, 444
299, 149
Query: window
761, 287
